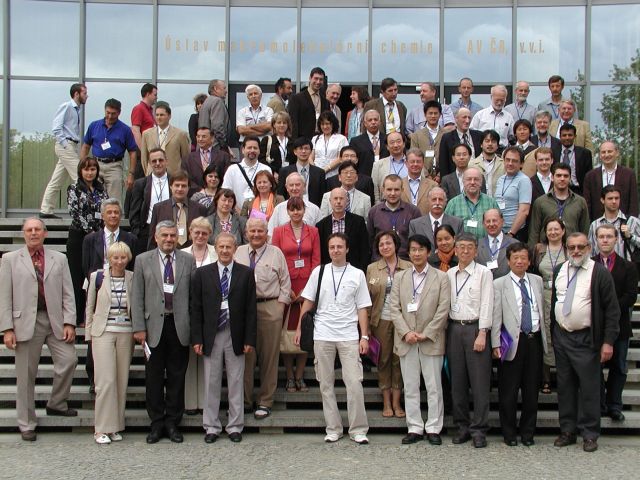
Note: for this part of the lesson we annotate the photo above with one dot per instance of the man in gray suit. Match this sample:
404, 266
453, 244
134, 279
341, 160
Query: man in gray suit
428, 223
492, 247
518, 309
215, 116
160, 311
37, 306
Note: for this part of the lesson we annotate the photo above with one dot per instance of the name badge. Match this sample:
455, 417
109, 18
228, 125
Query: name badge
376, 158
412, 307
492, 264
501, 204
181, 232
224, 305
105, 145
455, 308
298, 263
97, 216
168, 288
429, 153
471, 223
120, 319
317, 116
549, 284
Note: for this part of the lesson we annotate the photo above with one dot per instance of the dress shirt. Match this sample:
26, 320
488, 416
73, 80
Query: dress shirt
468, 142
572, 163
396, 116
498, 246
280, 216
580, 316
460, 176
616, 222
119, 136
398, 167
229, 270
234, 179
248, 116
417, 121
609, 176
490, 119
414, 187
418, 281
337, 224
472, 106
535, 313
159, 192
522, 112
305, 176
545, 181
271, 272
433, 219
475, 300
66, 123
546, 142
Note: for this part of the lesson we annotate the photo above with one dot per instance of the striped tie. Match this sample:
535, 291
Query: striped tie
223, 319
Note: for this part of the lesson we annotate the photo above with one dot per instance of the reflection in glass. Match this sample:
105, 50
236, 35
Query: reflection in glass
336, 40
119, 40
1, 40
99, 92
259, 53
405, 44
477, 44
615, 38
191, 42
44, 38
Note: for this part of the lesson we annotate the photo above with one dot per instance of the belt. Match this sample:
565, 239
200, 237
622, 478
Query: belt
169, 315
464, 322
530, 334
108, 160
72, 140
261, 300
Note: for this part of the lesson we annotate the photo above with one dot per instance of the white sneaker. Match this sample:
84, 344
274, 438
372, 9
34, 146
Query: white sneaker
360, 439
332, 437
115, 437
102, 438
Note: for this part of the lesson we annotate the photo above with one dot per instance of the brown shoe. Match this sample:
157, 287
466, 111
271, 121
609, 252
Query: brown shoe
590, 445
29, 435
565, 439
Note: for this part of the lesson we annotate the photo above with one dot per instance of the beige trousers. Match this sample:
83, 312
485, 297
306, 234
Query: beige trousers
111, 176
66, 168
389, 374
194, 382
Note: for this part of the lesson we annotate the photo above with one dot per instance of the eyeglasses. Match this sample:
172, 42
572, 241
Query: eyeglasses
571, 248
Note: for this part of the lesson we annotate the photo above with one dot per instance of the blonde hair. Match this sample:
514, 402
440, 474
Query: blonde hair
119, 247
201, 222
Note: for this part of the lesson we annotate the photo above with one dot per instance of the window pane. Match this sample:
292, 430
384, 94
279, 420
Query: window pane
615, 37
477, 43
1, 40
119, 40
180, 98
99, 92
44, 38
189, 42
402, 47
259, 53
545, 46
336, 40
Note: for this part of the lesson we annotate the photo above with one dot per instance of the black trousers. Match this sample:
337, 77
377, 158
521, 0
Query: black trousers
74, 257
165, 371
524, 374
143, 240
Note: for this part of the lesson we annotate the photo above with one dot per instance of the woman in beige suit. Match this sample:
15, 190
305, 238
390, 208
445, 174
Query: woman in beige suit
109, 329
380, 280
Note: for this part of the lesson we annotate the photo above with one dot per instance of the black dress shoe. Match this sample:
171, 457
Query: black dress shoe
69, 412
528, 442
590, 445
461, 438
191, 411
49, 215
565, 439
174, 435
479, 442
154, 435
28, 435
616, 416
434, 439
210, 438
412, 438
511, 442
235, 437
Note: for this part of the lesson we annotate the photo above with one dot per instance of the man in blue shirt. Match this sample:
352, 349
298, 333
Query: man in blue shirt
66, 129
109, 139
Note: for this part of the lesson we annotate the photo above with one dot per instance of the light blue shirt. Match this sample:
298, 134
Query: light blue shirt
512, 191
66, 123
473, 107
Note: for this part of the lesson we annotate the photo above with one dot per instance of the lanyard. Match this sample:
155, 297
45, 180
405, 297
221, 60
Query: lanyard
204, 256
494, 252
337, 289
255, 117
523, 111
391, 273
546, 143
414, 195
298, 240
394, 219
505, 185
527, 291
248, 169
475, 207
155, 190
413, 283
560, 206
458, 290
554, 263
283, 148
393, 166
555, 111
122, 292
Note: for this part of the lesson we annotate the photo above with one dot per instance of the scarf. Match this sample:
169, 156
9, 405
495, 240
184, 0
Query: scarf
445, 260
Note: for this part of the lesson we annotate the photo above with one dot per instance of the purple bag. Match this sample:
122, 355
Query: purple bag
505, 342
374, 350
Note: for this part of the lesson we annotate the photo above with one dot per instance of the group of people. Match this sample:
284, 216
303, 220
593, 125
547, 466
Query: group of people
451, 237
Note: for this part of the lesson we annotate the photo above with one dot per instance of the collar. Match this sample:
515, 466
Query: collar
423, 272
495, 112
37, 250
348, 190
229, 267
393, 159
163, 255
612, 256
546, 178
148, 107
517, 279
386, 207
620, 216
433, 219
500, 238
568, 148
552, 193
166, 130
469, 268
615, 168
244, 163
524, 145
300, 166
260, 250
465, 105
174, 203
109, 232
257, 109
372, 135
469, 198
164, 177
205, 149
385, 102
584, 266
419, 179
334, 219
460, 133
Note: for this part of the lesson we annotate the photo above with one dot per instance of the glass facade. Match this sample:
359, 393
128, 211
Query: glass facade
116, 46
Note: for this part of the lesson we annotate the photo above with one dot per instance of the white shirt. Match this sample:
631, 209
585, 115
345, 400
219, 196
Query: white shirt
489, 119
495, 250
535, 313
377, 136
545, 181
460, 176
580, 316
395, 126
468, 142
248, 116
475, 300
326, 151
609, 177
234, 179
280, 216
432, 219
159, 192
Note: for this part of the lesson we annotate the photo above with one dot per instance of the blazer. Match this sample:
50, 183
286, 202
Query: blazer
360, 204
140, 202
422, 226
99, 303
356, 230
584, 163
506, 312
164, 211
19, 293
583, 133
529, 165
363, 184
206, 297
431, 317
484, 255
625, 180
275, 155
238, 224
378, 105
177, 147
193, 166
93, 250
303, 113
317, 183
625, 281
450, 140
426, 184
537, 190
147, 296
377, 274
284, 239
422, 141
364, 151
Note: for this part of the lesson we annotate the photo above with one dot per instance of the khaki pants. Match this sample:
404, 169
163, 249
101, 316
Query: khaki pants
325, 356
66, 168
111, 359
389, 374
27, 359
111, 176
194, 383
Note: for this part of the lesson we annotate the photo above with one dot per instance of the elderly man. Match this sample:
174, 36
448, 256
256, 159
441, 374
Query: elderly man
416, 185
334, 90
392, 111
495, 117
567, 116
429, 222
371, 145
461, 134
394, 164
492, 247
489, 162
296, 187
284, 89
356, 202
215, 116
520, 109
416, 119
37, 306
465, 89
273, 289
306, 106
254, 119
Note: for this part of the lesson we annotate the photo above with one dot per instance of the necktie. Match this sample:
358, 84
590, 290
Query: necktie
38, 267
376, 145
566, 156
303, 172
465, 138
181, 222
112, 238
436, 224
252, 259
163, 138
204, 158
168, 279
224, 288
391, 118
494, 249
525, 324
571, 290
348, 202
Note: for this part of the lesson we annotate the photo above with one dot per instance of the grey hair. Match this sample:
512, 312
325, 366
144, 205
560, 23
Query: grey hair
44, 225
165, 224
252, 87
108, 202
466, 237
225, 235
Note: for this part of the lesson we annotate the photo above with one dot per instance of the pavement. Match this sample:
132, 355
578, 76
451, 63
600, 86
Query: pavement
305, 456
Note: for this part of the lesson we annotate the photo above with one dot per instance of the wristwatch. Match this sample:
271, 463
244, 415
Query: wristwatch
485, 330
364, 337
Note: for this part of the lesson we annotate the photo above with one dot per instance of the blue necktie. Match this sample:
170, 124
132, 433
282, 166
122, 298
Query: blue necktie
223, 319
525, 324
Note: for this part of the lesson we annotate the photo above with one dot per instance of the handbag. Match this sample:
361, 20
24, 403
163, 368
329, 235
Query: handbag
374, 350
286, 337
307, 321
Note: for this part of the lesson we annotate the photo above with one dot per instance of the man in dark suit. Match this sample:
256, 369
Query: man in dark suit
314, 176
371, 146
492, 248
578, 158
160, 316
541, 180
610, 173
197, 161
426, 224
351, 225
223, 329
392, 111
305, 107
178, 209
363, 183
625, 280
461, 134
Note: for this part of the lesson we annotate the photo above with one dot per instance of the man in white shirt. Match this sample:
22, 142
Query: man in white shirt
416, 118
520, 109
254, 119
295, 186
239, 177
495, 117
541, 181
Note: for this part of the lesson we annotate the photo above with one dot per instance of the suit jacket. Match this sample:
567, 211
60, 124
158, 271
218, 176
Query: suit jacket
317, 183
584, 163
363, 184
451, 186
529, 164
422, 203
215, 116
193, 166
147, 296
422, 226
140, 202
99, 303
506, 312
164, 211
625, 180
360, 205
364, 150
484, 255
303, 113
422, 141
206, 296
19, 293
275, 155
177, 147
378, 105
431, 317
537, 190
377, 274
450, 140
583, 133
93, 250
355, 229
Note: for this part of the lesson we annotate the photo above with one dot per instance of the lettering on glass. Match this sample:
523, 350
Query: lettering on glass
495, 46
531, 47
